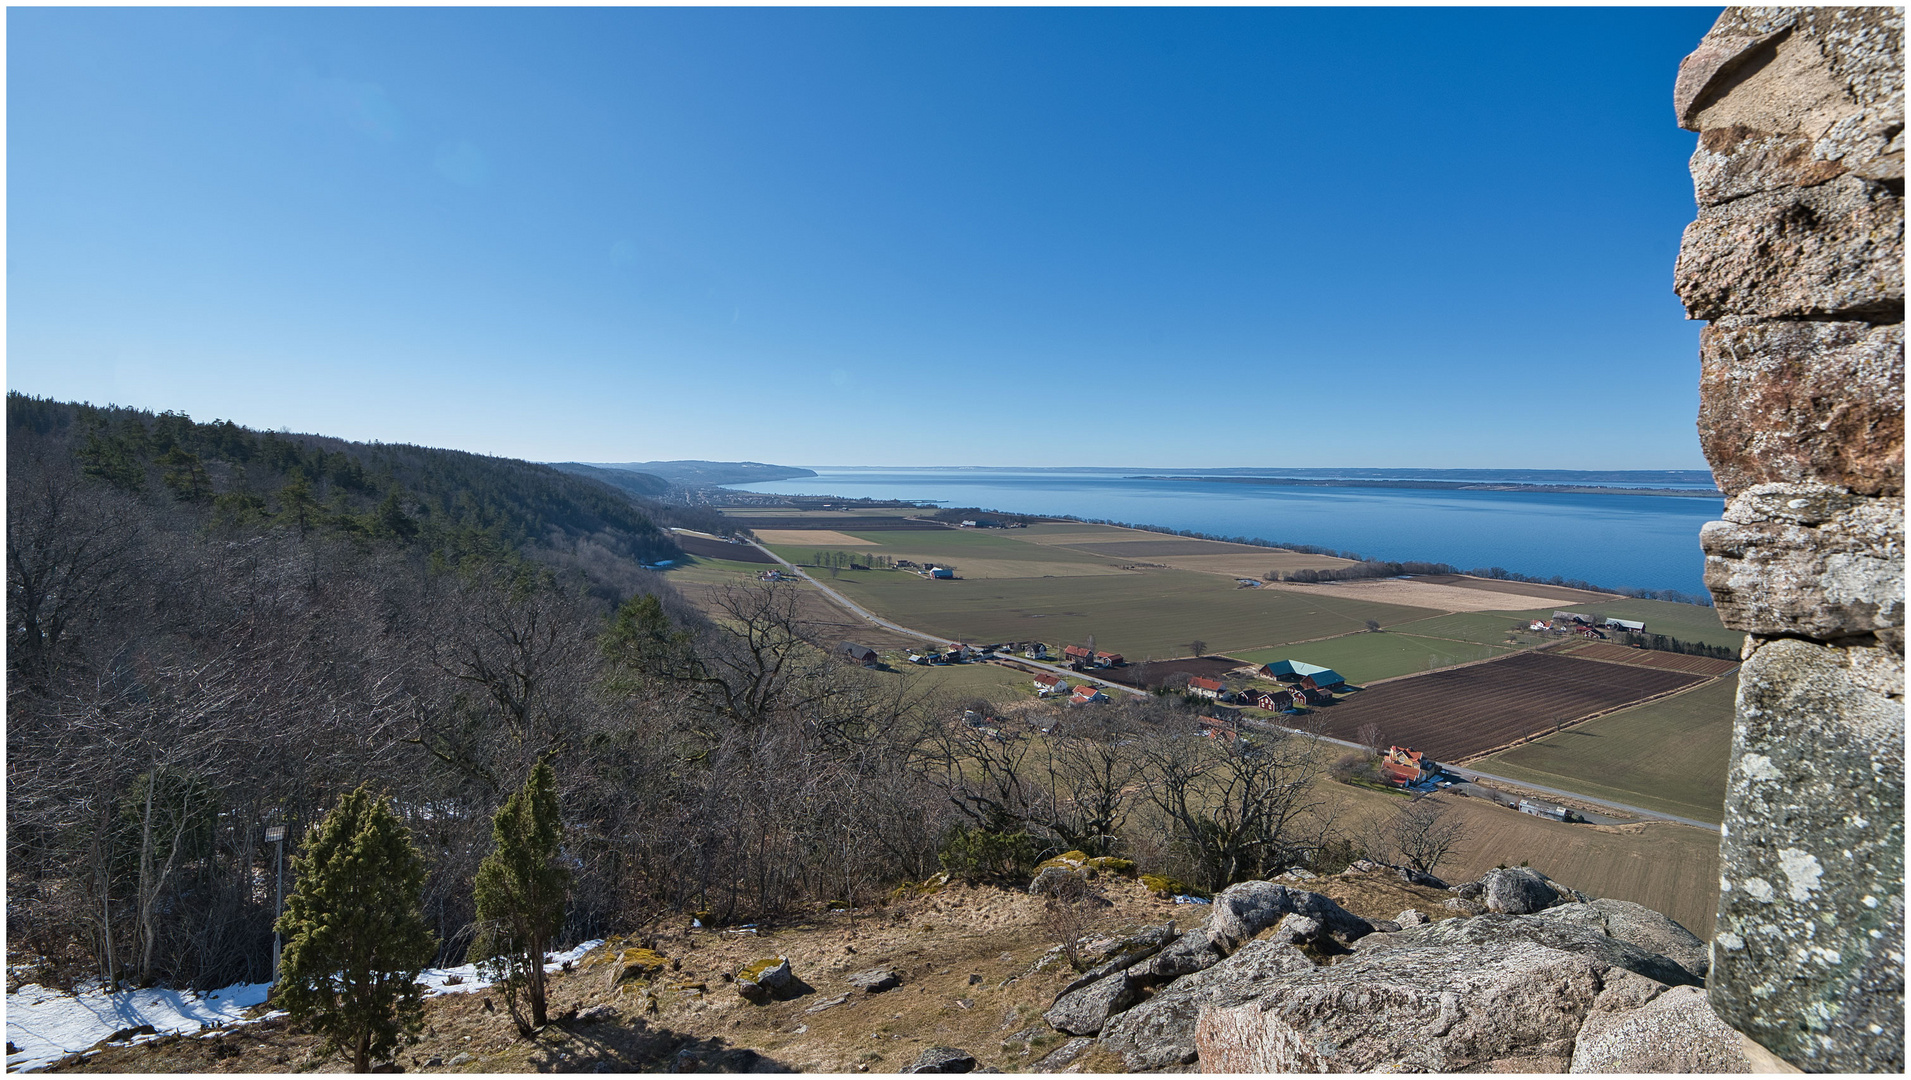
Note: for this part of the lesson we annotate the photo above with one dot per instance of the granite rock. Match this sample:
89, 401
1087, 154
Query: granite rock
1674, 1032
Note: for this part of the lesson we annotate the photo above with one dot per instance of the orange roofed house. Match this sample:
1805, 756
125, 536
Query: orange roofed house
1402, 766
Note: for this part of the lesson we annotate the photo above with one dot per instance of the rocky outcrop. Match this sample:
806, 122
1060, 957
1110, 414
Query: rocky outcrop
1463, 935
1637, 925
1245, 909
1507, 1006
1672, 1032
1797, 260
1159, 1032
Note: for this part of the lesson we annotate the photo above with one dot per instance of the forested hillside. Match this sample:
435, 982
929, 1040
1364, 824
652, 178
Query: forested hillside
212, 630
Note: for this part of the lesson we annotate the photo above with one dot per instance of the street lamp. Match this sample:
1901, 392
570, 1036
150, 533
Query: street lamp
275, 835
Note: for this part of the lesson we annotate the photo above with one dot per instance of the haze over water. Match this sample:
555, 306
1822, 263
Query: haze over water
1638, 541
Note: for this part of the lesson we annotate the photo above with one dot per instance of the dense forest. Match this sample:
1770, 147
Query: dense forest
212, 630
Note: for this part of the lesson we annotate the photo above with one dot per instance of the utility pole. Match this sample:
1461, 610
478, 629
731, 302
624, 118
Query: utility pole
275, 835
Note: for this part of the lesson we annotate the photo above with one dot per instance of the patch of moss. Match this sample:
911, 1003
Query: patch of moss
1110, 864
1165, 887
759, 967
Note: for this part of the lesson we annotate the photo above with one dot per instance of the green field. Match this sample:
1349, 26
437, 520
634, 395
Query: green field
697, 570
1688, 622
1143, 615
1668, 755
1363, 657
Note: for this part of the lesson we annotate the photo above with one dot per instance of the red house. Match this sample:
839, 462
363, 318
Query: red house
1074, 653
1108, 659
1403, 766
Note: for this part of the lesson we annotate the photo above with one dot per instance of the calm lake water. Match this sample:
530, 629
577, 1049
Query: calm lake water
1638, 541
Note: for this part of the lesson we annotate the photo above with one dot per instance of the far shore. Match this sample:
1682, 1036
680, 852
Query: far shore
1444, 485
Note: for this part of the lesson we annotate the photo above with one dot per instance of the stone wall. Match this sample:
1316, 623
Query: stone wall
1796, 261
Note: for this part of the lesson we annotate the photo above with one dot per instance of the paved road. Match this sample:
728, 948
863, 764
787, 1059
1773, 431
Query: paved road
1636, 811
858, 609
864, 613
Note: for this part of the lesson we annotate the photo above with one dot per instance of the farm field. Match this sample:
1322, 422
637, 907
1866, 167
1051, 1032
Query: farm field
1667, 867
1362, 658
707, 548
1140, 614
1484, 628
1688, 622
1417, 593
1554, 593
1668, 755
1454, 715
1625, 654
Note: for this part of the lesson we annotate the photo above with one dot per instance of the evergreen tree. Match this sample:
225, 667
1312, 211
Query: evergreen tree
355, 939
520, 895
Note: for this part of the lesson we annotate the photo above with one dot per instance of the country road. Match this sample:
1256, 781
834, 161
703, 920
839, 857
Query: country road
864, 613
1474, 774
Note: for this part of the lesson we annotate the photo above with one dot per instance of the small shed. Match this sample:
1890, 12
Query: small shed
862, 654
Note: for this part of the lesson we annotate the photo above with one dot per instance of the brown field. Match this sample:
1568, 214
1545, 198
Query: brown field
1252, 564
1553, 593
812, 537
707, 548
1462, 712
1664, 661
1421, 593
1151, 673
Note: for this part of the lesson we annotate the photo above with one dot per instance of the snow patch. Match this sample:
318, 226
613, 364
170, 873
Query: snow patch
46, 1025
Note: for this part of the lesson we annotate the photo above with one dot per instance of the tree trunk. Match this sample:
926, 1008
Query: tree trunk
534, 985
362, 1053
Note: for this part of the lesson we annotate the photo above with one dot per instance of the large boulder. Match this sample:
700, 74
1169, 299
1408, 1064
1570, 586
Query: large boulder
1188, 954
765, 979
1637, 925
1159, 1032
1122, 953
1464, 935
1084, 1011
1517, 891
1506, 1005
942, 1059
1245, 909
875, 980
1675, 1032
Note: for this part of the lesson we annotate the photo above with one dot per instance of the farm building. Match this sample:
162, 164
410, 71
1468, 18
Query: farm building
1075, 654
941, 572
1295, 671
1592, 633
1572, 617
1545, 810
1279, 700
1625, 624
1403, 766
1108, 659
1086, 694
1207, 688
1048, 685
1538, 625
862, 654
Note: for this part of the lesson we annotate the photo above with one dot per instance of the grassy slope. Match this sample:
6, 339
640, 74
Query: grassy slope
1667, 755
1363, 657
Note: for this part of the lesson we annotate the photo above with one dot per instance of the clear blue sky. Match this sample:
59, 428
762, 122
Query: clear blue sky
1422, 237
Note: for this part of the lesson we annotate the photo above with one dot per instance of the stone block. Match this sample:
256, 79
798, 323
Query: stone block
1833, 249
1808, 956
1807, 560
1802, 402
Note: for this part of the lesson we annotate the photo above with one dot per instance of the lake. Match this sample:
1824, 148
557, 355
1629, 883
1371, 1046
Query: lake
1637, 541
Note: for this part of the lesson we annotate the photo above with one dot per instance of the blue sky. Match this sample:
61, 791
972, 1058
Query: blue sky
1223, 237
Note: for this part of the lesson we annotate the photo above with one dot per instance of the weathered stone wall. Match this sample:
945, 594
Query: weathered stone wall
1797, 262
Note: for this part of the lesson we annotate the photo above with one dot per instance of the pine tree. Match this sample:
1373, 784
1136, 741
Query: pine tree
520, 895
355, 939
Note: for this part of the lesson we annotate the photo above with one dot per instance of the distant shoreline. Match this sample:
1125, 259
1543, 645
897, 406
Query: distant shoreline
1442, 485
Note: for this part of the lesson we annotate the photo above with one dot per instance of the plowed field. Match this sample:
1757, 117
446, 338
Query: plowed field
1453, 715
1620, 654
